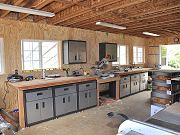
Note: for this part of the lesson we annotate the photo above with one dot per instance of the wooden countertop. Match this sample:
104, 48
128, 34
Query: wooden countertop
134, 71
40, 83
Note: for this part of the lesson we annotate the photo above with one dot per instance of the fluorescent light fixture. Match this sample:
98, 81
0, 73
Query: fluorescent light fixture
151, 34
110, 25
25, 10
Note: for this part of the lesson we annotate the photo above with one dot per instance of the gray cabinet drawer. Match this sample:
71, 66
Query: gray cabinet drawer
62, 90
134, 86
83, 100
143, 84
135, 77
144, 75
125, 79
87, 86
124, 89
39, 94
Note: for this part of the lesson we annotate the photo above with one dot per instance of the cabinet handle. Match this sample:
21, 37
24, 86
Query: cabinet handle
69, 99
126, 85
65, 89
85, 95
75, 57
89, 94
39, 94
37, 106
43, 104
87, 85
64, 100
136, 83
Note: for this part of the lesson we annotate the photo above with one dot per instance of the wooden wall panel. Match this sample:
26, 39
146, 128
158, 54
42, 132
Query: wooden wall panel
14, 31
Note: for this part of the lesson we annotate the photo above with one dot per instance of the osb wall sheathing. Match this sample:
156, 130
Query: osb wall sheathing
154, 59
14, 31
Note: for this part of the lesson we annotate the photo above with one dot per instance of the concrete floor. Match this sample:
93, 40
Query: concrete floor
94, 121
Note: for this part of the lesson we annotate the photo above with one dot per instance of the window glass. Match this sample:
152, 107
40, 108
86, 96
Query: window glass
121, 55
39, 54
138, 55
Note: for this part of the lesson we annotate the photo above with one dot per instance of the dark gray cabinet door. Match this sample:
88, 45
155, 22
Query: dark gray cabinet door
66, 104
33, 110
124, 89
74, 51
47, 108
92, 98
83, 99
134, 86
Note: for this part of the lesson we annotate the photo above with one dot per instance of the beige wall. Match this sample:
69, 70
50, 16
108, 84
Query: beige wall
14, 31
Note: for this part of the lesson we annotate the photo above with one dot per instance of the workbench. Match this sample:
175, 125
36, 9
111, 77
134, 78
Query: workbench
26, 86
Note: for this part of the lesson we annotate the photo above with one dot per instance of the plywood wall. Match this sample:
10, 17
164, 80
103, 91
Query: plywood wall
14, 31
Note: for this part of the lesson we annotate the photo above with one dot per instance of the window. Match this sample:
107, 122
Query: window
1, 57
138, 55
170, 56
39, 54
121, 55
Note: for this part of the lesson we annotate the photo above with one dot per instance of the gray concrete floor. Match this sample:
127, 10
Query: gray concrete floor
94, 121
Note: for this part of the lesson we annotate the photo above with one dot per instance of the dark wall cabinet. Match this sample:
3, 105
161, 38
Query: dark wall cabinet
108, 50
74, 52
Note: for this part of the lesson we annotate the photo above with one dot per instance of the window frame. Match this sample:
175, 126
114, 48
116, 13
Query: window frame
40, 52
127, 55
143, 55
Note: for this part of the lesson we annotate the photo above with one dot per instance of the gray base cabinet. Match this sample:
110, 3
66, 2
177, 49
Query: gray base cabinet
66, 104
87, 95
45, 103
39, 110
87, 99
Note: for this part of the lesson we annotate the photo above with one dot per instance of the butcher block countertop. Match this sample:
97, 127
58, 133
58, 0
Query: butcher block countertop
40, 83
134, 71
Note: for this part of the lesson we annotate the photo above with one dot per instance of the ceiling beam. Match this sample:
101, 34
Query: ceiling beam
55, 8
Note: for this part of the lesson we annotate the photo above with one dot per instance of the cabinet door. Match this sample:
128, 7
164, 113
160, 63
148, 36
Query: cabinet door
134, 86
47, 110
77, 51
71, 103
33, 111
83, 99
143, 84
111, 50
124, 89
61, 105
92, 98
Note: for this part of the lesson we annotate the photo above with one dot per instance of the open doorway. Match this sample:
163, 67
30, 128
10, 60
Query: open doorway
170, 56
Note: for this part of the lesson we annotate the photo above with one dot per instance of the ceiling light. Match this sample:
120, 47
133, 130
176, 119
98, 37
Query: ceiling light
151, 34
110, 25
25, 10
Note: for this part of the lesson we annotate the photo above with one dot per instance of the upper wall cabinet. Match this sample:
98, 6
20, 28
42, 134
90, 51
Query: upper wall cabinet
108, 50
74, 52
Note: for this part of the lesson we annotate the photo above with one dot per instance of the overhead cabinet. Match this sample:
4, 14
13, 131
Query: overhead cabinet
74, 52
108, 50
